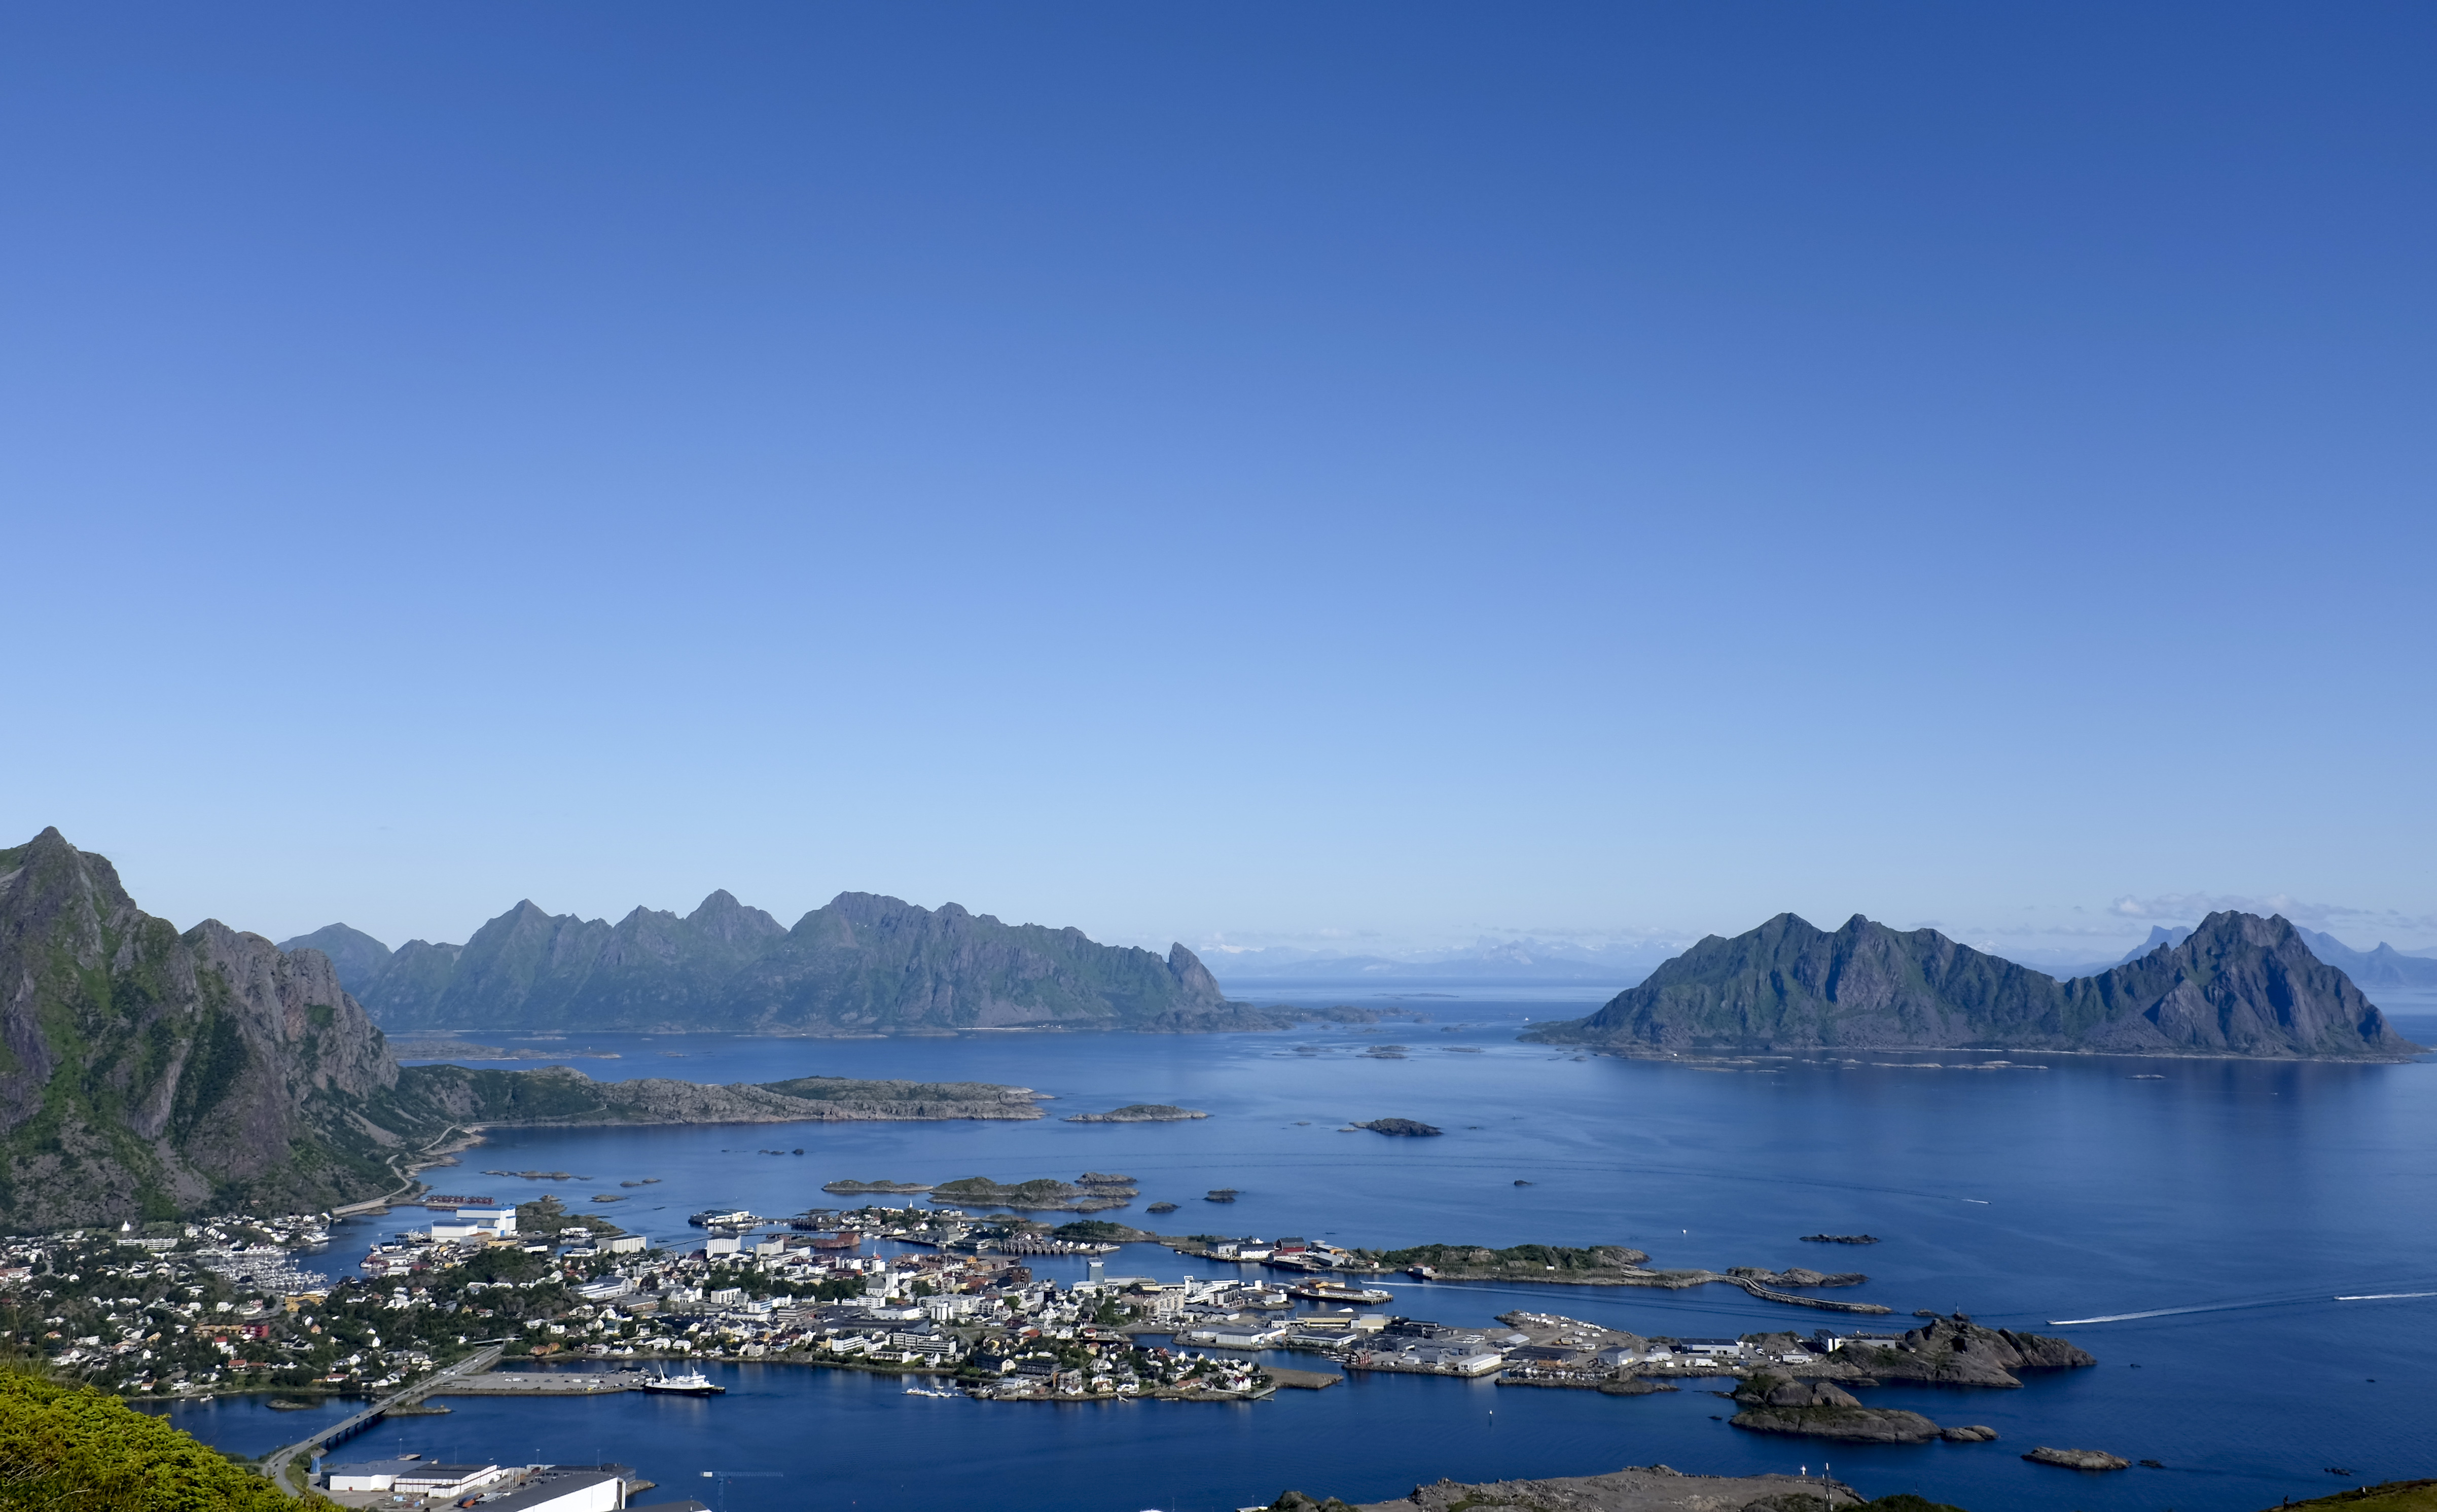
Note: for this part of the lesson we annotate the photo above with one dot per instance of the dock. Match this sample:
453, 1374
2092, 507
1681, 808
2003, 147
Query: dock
540, 1383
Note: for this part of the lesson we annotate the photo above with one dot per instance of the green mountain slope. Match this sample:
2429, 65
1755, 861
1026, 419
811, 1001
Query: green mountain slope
2240, 985
861, 964
145, 1072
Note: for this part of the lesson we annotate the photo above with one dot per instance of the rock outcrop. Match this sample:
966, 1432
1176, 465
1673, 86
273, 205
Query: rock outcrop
1651, 1488
2240, 986
1957, 1352
2077, 1459
1773, 1404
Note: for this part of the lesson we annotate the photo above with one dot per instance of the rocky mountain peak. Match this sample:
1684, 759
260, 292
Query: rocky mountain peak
218, 1053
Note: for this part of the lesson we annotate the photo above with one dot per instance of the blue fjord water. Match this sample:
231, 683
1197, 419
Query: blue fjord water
2213, 1216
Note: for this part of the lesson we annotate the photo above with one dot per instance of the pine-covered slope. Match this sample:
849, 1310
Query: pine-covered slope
2239, 985
149, 1073
861, 964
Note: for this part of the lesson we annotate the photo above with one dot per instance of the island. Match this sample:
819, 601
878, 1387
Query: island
856, 1188
1092, 1193
2240, 985
1403, 1128
1139, 1113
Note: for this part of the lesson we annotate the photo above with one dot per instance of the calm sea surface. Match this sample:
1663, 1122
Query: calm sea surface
2213, 1217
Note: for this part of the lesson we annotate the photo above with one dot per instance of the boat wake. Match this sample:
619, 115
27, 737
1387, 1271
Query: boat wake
2291, 1299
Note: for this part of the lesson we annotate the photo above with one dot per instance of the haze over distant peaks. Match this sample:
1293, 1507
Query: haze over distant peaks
1487, 961
2237, 985
2384, 966
861, 964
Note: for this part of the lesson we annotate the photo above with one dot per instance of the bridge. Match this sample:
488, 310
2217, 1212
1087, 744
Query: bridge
276, 1463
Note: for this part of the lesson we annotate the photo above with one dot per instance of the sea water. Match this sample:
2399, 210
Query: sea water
2212, 1211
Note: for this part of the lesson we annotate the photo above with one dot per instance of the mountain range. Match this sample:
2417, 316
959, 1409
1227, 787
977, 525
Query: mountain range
147, 1074
861, 964
2237, 985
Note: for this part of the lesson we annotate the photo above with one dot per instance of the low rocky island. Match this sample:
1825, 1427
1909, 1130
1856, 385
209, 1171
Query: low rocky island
1139, 1113
1094, 1192
1773, 1404
856, 1188
1840, 1238
1651, 1488
1403, 1128
2077, 1459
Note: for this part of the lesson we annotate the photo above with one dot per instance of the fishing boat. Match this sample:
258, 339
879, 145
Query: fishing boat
1339, 1292
692, 1384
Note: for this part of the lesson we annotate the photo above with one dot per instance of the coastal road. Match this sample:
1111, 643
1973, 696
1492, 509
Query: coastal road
275, 1464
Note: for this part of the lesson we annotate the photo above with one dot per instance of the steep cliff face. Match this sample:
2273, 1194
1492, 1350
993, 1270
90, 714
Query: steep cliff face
358, 955
2239, 985
862, 964
146, 1073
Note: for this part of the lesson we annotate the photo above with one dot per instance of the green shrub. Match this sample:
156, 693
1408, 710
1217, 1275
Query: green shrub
71, 1446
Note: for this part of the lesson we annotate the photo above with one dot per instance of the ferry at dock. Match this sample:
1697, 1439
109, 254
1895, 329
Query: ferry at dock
692, 1384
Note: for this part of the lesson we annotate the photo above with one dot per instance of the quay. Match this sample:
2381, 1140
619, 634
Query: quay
540, 1383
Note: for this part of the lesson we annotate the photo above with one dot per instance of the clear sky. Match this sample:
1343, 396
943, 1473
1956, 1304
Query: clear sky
1369, 472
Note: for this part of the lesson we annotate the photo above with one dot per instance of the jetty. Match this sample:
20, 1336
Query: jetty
1795, 1299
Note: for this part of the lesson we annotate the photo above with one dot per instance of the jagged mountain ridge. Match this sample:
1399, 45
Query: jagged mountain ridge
863, 963
2237, 985
2383, 966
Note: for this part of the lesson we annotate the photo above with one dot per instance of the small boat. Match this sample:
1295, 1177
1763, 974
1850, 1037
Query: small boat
692, 1384
1421, 1273
1339, 1292
933, 1391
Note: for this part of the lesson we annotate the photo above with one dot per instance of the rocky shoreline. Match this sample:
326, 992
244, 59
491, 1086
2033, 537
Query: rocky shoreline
1648, 1488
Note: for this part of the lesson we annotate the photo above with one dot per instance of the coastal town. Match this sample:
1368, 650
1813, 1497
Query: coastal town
940, 1295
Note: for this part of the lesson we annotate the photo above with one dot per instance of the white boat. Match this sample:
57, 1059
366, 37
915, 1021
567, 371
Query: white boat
933, 1391
692, 1384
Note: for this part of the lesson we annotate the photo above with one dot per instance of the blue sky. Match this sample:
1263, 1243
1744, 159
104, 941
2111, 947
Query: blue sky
1373, 474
